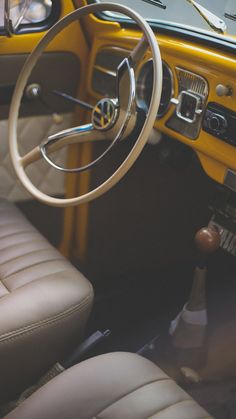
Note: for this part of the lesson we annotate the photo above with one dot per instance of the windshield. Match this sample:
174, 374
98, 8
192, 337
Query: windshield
182, 13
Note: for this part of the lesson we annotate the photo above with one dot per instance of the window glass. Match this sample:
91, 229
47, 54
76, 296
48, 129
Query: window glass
182, 13
37, 11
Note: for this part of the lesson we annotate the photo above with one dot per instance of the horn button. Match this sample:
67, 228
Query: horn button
104, 114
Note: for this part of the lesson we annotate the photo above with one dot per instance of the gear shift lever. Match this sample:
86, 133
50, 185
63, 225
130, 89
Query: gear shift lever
188, 330
207, 241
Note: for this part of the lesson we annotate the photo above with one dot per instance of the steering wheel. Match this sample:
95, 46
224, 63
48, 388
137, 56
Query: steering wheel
112, 119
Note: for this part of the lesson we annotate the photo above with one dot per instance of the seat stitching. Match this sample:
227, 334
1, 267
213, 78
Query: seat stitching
16, 233
174, 404
130, 392
32, 265
5, 338
4, 286
39, 239
39, 325
37, 329
49, 322
27, 254
35, 279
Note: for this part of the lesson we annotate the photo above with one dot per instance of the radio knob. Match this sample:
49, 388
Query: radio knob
214, 123
217, 123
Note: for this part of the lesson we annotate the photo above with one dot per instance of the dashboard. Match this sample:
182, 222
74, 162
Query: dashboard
198, 105
144, 87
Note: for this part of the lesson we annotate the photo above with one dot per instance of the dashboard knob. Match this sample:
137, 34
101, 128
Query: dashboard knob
217, 123
33, 91
222, 90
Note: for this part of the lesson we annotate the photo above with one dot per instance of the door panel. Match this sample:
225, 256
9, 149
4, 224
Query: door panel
31, 131
54, 71
59, 68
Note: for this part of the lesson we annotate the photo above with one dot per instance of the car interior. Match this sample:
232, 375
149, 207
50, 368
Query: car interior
117, 209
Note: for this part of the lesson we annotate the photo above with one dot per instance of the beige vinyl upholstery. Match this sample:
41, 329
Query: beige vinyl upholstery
112, 386
32, 131
44, 303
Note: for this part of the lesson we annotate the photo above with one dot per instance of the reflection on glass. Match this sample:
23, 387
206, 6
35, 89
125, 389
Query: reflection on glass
230, 10
29, 11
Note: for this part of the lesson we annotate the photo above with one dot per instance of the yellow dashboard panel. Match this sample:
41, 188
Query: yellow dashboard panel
211, 65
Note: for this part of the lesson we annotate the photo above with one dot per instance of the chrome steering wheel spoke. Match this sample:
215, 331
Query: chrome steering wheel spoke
126, 95
112, 119
75, 135
80, 134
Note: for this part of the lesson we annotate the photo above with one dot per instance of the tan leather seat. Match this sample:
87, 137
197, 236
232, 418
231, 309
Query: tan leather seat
111, 386
44, 303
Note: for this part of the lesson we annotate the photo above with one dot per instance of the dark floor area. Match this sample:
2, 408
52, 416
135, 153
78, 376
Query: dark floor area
140, 309
218, 398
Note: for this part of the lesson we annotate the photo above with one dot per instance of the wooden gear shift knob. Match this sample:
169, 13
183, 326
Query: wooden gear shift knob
207, 240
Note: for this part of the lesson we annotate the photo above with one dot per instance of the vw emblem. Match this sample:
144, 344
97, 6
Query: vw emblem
104, 114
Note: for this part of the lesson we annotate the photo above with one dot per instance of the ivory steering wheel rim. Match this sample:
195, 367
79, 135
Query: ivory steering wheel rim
145, 131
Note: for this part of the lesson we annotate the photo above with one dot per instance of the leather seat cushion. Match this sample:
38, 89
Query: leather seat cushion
111, 386
44, 303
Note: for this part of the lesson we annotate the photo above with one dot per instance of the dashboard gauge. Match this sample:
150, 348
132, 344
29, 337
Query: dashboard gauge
144, 87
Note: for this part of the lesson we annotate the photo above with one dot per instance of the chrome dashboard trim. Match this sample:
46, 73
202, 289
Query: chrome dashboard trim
197, 108
141, 83
197, 86
172, 87
184, 74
